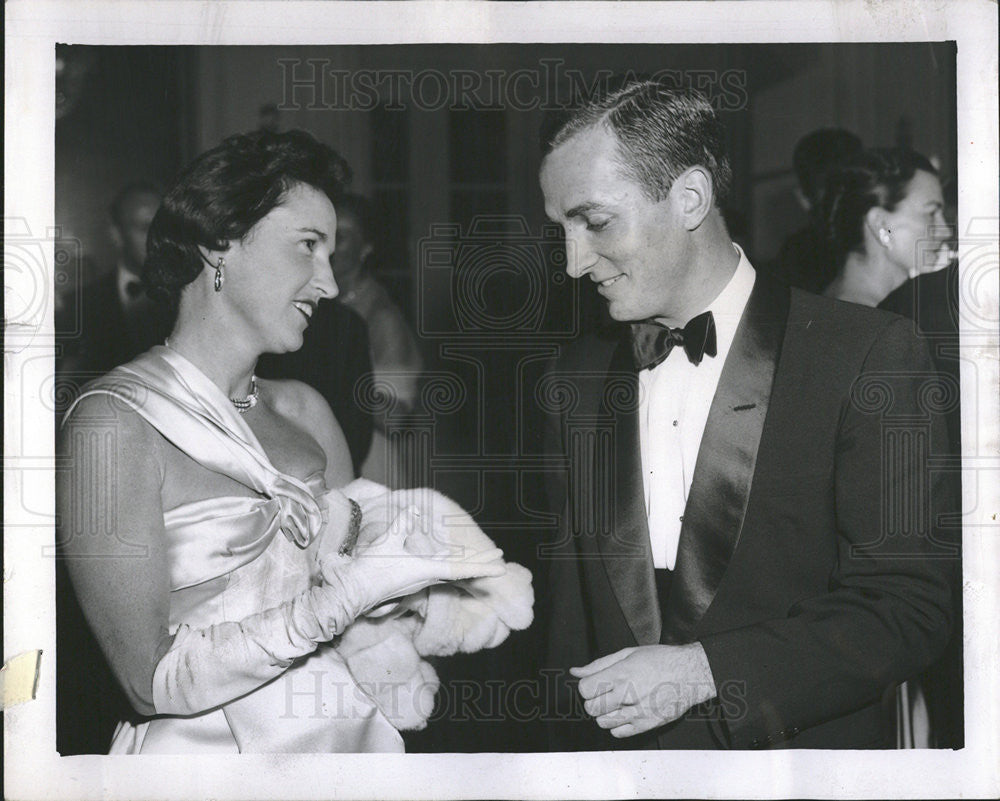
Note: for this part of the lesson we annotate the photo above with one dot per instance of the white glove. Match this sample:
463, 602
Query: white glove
205, 668
401, 561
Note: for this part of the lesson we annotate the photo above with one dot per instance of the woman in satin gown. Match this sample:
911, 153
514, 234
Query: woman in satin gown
197, 497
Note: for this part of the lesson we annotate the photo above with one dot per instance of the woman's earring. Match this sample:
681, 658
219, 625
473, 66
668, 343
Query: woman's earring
218, 274
883, 236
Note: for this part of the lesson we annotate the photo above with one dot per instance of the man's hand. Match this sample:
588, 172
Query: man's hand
637, 689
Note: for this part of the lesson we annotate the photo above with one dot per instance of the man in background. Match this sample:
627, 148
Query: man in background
114, 319
395, 354
804, 260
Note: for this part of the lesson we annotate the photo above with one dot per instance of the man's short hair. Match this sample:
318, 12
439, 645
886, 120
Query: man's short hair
360, 208
660, 133
127, 195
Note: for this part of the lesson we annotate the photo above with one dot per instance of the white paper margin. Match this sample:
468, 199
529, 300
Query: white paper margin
34, 771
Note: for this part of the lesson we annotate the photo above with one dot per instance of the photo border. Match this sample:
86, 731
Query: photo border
34, 770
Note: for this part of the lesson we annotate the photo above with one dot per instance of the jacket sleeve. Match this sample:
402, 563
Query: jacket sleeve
565, 617
887, 614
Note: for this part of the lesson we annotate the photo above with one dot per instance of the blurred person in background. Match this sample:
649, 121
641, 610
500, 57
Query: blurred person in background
395, 355
115, 319
884, 219
804, 260
334, 357
885, 223
931, 301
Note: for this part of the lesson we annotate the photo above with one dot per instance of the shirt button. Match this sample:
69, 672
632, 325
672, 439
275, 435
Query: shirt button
681, 518
675, 424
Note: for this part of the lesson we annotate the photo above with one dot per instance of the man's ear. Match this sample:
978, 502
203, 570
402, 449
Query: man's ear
803, 200
696, 195
116, 236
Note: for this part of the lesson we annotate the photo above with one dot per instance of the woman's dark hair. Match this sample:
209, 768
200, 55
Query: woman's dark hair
223, 193
877, 177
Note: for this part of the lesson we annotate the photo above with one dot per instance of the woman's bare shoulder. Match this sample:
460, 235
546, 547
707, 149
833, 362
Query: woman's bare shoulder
107, 413
295, 399
308, 409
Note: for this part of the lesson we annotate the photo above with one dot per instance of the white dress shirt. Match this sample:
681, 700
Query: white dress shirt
126, 277
674, 401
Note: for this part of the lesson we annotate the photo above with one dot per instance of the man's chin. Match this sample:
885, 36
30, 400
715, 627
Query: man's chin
622, 314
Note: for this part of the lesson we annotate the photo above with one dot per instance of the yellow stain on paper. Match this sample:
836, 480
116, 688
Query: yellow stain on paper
19, 678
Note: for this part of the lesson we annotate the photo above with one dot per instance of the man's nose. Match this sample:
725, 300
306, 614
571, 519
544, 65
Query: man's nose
579, 257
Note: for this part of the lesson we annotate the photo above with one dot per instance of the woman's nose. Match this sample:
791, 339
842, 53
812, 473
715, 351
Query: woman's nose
325, 281
941, 222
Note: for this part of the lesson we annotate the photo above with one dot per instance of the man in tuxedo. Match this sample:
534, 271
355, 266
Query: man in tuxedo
114, 320
748, 552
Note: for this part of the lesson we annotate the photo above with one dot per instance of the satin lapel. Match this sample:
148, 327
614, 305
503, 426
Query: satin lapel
625, 549
720, 487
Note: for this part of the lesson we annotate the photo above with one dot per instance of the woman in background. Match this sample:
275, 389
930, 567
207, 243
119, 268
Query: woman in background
198, 511
884, 213
396, 359
884, 220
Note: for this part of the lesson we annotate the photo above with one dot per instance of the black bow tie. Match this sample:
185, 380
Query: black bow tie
652, 342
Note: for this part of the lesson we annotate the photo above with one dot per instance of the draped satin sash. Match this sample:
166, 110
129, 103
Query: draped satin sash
211, 537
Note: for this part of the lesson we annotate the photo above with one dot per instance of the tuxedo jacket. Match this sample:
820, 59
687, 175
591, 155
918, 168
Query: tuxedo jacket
811, 564
931, 301
95, 334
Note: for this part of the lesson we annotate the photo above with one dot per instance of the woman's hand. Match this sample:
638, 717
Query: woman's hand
400, 562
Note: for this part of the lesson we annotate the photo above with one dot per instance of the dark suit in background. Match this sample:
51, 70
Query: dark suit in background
334, 357
98, 332
931, 301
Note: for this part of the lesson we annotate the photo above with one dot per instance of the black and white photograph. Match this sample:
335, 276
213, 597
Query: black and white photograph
501, 400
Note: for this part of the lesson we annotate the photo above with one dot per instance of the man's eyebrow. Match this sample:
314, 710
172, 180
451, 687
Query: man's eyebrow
323, 237
582, 208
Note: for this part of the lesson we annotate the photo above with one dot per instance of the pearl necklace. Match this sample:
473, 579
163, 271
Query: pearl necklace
246, 404
242, 405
